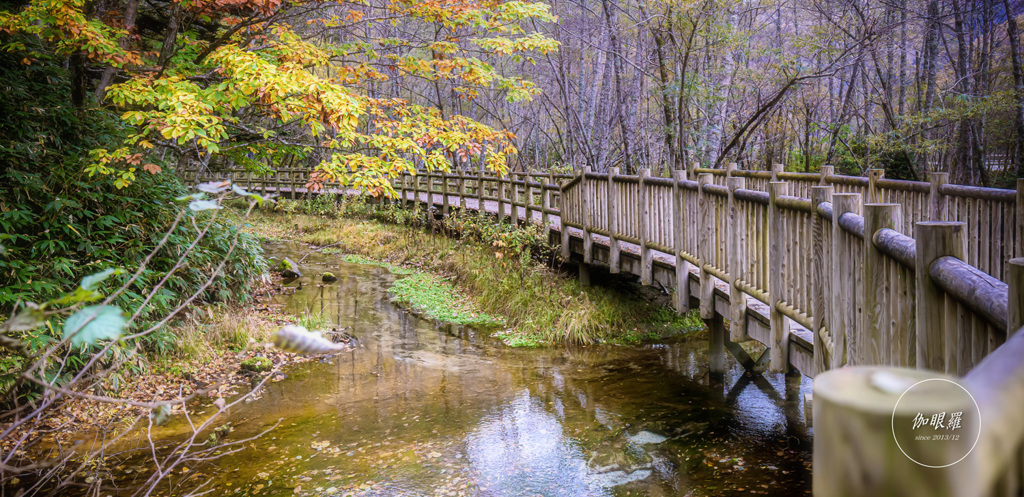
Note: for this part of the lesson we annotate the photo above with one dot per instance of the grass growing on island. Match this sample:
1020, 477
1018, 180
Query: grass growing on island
431, 295
360, 259
438, 299
539, 305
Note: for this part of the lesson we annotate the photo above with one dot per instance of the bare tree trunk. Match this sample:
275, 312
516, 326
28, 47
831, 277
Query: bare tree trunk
903, 56
167, 49
1018, 85
843, 112
620, 98
666, 98
967, 169
929, 65
720, 110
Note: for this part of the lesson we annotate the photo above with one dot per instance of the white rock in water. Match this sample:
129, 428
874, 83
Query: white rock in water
646, 437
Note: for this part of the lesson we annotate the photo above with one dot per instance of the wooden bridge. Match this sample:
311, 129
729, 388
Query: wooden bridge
841, 278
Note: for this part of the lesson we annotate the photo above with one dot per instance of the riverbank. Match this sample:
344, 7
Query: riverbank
472, 261
205, 356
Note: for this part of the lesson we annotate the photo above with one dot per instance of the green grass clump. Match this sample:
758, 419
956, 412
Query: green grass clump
257, 364
437, 299
359, 259
314, 320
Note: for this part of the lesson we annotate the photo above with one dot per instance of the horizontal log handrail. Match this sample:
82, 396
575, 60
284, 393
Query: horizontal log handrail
982, 293
896, 245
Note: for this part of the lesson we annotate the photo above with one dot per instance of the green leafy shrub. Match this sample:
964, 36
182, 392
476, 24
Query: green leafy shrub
58, 225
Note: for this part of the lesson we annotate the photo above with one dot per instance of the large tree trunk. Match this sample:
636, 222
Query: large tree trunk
167, 49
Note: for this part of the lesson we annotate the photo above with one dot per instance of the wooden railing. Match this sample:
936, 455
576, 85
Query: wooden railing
809, 259
993, 214
538, 194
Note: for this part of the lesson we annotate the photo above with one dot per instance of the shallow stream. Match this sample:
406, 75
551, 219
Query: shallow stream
419, 408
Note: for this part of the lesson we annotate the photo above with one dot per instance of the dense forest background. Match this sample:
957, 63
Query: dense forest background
908, 85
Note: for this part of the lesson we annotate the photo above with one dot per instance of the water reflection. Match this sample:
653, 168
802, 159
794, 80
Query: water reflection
421, 409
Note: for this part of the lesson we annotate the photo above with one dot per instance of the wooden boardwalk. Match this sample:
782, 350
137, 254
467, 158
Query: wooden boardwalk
757, 327
841, 278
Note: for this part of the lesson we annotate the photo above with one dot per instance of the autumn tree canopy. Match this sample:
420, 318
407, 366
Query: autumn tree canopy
338, 85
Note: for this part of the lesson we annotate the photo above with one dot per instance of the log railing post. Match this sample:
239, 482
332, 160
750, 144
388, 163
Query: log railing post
777, 167
462, 191
679, 218
546, 203
936, 340
643, 226
614, 252
501, 197
444, 193
431, 176
513, 200
401, 189
855, 452
538, 192
776, 268
263, 185
1015, 306
876, 344
530, 192
415, 190
588, 238
826, 173
705, 247
294, 182
564, 228
736, 234
1018, 248
874, 196
843, 319
425, 186
821, 287
936, 199
481, 191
